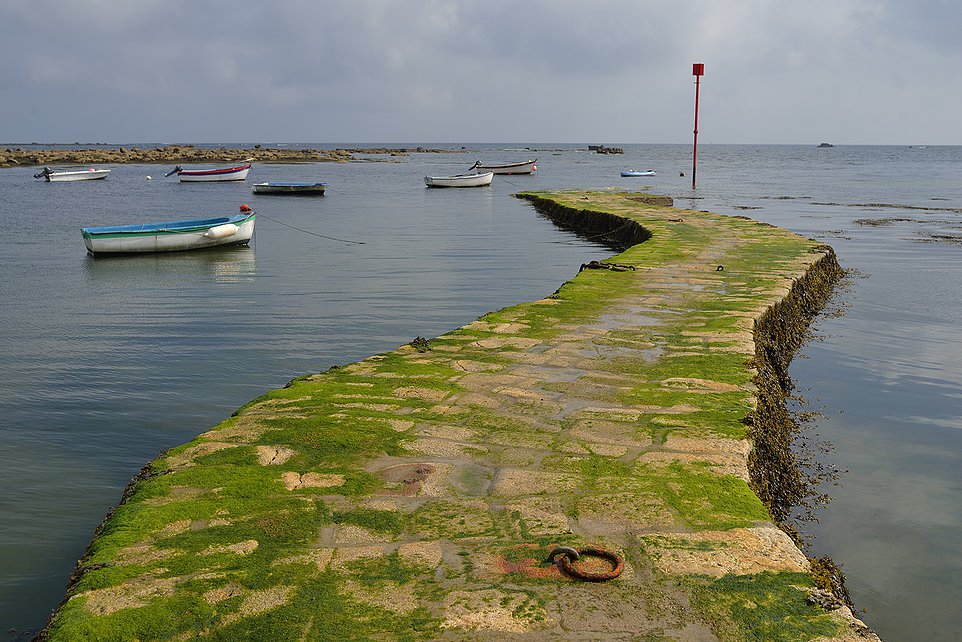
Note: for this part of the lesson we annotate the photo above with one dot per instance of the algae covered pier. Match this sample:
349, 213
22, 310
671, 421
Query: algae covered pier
417, 494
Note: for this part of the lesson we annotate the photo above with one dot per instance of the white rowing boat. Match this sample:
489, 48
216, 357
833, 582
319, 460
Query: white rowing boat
171, 236
460, 180
636, 172
524, 167
89, 174
217, 174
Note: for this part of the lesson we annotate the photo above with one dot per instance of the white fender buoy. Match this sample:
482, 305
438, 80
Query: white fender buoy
222, 231
148, 178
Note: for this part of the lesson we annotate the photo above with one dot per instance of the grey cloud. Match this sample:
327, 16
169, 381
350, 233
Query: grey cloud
383, 70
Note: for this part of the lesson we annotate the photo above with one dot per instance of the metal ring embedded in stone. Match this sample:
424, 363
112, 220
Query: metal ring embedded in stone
568, 551
563, 556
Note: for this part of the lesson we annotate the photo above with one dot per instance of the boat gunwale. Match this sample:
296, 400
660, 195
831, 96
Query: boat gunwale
167, 227
290, 184
482, 165
89, 170
214, 171
455, 177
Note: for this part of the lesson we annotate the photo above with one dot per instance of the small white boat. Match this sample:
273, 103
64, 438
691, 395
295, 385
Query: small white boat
635, 172
89, 174
305, 189
172, 236
236, 173
460, 180
524, 167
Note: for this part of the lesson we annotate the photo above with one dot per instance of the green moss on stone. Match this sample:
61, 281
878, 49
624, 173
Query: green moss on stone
768, 607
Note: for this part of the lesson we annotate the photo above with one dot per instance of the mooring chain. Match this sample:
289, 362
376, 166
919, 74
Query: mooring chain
563, 556
614, 267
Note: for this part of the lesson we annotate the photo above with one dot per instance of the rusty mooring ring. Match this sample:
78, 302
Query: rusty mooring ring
563, 556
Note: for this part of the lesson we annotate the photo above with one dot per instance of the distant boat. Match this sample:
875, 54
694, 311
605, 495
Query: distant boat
826, 145
304, 189
236, 173
90, 174
172, 236
524, 167
460, 180
634, 172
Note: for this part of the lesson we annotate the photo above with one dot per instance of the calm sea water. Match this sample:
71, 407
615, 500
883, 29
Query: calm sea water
105, 363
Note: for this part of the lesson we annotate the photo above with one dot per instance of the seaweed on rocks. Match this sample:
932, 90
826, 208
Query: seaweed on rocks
609, 229
776, 476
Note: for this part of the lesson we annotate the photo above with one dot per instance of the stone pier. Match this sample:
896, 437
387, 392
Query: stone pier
417, 494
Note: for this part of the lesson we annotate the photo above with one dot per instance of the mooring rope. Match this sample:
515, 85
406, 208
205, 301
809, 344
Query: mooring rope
330, 238
501, 176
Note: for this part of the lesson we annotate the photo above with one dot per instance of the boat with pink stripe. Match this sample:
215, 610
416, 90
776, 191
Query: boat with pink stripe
236, 173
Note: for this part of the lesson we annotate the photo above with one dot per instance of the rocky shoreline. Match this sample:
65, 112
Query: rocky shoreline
21, 156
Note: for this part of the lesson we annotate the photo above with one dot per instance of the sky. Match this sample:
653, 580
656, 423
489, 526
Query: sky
476, 71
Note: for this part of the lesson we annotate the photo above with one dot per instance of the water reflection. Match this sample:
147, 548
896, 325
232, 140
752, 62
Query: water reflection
224, 265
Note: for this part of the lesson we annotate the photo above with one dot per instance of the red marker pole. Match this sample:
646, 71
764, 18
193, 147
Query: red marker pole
697, 70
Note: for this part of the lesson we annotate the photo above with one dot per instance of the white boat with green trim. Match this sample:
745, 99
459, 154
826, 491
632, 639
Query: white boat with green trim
171, 236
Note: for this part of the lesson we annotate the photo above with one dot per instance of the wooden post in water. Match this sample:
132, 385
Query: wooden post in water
697, 70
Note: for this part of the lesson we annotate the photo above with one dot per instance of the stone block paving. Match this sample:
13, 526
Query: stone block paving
418, 494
